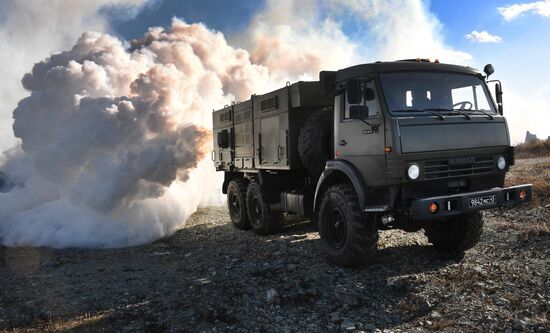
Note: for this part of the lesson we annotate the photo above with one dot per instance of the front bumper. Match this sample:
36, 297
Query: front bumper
456, 204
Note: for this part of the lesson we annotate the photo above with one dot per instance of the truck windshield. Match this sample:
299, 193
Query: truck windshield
444, 92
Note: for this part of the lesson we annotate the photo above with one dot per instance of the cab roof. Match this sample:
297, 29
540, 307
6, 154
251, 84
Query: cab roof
402, 65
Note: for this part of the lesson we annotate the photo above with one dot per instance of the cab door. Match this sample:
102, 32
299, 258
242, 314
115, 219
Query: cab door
360, 144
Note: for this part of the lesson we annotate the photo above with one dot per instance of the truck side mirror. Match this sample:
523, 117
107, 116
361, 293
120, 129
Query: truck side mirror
498, 95
369, 94
223, 139
353, 90
358, 111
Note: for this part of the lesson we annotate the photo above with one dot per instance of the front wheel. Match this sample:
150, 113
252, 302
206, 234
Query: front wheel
456, 234
349, 236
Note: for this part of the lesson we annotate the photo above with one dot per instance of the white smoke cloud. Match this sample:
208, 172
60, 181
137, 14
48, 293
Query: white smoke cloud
111, 137
114, 135
30, 30
482, 37
396, 29
513, 11
295, 41
300, 37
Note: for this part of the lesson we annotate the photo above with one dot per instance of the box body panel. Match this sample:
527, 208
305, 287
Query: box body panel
264, 130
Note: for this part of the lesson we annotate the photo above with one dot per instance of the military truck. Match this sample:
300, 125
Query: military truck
407, 144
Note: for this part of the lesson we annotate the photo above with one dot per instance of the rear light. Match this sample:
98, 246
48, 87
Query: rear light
522, 194
433, 208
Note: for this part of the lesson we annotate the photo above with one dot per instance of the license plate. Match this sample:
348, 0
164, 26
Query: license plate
483, 201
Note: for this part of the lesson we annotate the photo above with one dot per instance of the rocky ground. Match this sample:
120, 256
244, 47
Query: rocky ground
210, 277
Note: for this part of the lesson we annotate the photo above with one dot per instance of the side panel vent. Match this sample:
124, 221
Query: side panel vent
270, 104
243, 116
226, 116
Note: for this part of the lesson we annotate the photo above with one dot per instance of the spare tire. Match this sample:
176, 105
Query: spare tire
315, 141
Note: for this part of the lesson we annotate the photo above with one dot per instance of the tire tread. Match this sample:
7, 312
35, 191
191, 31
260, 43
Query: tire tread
466, 233
241, 185
364, 234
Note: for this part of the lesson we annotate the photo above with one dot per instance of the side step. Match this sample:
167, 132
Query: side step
377, 209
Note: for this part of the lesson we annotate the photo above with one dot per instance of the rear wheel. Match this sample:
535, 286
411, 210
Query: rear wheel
456, 234
236, 203
262, 218
349, 236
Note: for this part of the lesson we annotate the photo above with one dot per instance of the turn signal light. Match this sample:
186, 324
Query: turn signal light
522, 194
387, 150
433, 208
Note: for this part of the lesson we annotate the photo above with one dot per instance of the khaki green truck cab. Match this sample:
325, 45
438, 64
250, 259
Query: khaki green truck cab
408, 144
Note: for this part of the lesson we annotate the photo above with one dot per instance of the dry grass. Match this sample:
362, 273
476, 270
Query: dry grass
537, 174
533, 149
84, 323
527, 230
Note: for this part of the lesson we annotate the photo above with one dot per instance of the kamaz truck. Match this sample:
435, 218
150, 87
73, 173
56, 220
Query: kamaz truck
408, 144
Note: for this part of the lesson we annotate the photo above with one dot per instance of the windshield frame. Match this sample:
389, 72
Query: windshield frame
415, 112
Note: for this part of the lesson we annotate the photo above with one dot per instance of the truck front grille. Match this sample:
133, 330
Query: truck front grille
447, 168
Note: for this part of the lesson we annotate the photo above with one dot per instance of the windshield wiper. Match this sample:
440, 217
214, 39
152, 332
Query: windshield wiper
459, 111
452, 110
485, 113
440, 116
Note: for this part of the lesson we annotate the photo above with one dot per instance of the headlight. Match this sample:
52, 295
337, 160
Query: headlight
413, 171
501, 163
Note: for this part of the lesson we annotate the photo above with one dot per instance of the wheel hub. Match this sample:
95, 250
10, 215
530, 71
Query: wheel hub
235, 205
337, 227
257, 209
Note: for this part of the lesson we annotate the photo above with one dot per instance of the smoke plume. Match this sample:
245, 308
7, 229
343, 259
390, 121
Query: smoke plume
114, 137
31, 30
111, 136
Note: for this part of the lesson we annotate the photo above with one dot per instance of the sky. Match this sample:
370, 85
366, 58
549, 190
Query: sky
510, 34
514, 41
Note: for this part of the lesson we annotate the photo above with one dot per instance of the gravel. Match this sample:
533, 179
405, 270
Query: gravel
211, 277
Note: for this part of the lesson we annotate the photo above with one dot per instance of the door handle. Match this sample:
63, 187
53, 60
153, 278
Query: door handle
343, 142
279, 147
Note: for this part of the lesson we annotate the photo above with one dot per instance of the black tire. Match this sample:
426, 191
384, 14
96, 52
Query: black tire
457, 234
349, 236
236, 203
315, 141
262, 219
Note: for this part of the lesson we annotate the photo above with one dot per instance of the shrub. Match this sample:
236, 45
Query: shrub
534, 148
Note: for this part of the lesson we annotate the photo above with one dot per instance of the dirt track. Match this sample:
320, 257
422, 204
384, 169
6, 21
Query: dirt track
211, 277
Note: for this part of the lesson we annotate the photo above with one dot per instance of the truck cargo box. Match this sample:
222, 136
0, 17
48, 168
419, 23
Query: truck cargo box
262, 132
